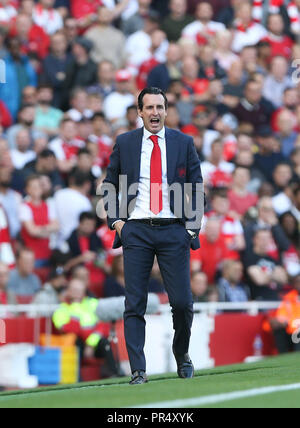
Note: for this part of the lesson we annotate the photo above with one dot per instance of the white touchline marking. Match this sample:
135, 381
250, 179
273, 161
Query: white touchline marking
220, 398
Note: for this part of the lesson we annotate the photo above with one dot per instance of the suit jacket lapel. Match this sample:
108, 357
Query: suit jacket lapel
171, 146
137, 142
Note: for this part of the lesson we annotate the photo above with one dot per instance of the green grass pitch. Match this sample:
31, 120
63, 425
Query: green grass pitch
116, 393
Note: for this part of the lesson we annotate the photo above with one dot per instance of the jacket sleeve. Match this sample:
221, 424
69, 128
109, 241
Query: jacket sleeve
110, 188
195, 180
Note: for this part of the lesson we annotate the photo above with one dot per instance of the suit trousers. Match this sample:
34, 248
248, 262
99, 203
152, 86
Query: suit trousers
171, 244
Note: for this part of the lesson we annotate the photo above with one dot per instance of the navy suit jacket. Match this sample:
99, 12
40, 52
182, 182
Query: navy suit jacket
183, 166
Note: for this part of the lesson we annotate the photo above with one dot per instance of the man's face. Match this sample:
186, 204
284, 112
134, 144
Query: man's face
253, 93
45, 96
87, 227
26, 263
204, 12
276, 24
154, 113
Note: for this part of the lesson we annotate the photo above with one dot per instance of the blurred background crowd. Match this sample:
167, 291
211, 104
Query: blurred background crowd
72, 71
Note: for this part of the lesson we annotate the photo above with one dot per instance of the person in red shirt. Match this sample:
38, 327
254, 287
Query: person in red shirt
86, 248
33, 38
231, 228
85, 11
281, 45
241, 200
6, 297
5, 116
39, 222
213, 251
157, 39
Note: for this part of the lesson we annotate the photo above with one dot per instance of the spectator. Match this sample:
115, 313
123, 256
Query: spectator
158, 37
286, 320
79, 105
47, 17
6, 251
240, 199
213, 251
108, 42
22, 154
86, 248
268, 156
6, 297
251, 108
267, 219
81, 71
290, 227
26, 119
277, 81
71, 202
45, 164
231, 228
199, 286
7, 12
114, 285
47, 118
247, 32
55, 66
116, 104
215, 170
266, 276
177, 20
230, 286
19, 74
137, 21
22, 281
286, 131
162, 74
52, 292
66, 146
39, 222
281, 44
92, 334
282, 177
106, 80
33, 38
138, 45
223, 54
203, 29
10, 200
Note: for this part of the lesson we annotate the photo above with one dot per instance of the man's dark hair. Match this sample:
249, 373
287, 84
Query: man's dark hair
83, 151
151, 91
46, 153
79, 178
87, 215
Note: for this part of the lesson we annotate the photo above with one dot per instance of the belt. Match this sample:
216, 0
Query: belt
158, 222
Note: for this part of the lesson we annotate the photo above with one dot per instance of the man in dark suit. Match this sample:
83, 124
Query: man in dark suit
159, 214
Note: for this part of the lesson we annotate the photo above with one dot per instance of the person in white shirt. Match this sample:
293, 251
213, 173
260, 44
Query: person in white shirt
47, 17
7, 12
204, 26
70, 203
22, 154
116, 104
216, 162
247, 32
138, 45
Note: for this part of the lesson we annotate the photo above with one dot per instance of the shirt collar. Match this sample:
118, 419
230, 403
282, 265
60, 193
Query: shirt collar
161, 134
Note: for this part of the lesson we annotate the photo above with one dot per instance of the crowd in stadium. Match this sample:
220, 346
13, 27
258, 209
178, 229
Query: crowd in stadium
72, 71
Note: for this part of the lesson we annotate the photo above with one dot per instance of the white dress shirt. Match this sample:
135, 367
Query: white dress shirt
142, 208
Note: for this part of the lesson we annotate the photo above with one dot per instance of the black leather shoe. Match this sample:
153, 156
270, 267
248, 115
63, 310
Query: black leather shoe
138, 378
185, 368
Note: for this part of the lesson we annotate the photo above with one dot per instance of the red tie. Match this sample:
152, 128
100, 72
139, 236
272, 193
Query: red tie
156, 199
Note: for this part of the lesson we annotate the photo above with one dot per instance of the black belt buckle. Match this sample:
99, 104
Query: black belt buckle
154, 222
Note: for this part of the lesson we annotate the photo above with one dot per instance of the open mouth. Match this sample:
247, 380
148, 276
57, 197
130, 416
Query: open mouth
155, 121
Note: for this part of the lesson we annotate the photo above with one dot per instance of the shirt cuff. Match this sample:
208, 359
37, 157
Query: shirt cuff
113, 225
